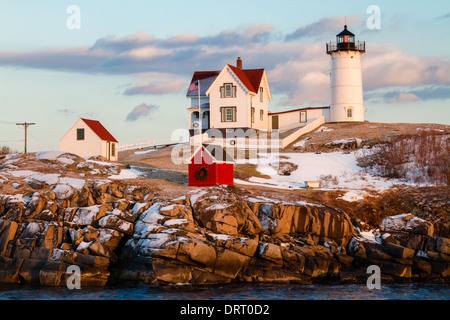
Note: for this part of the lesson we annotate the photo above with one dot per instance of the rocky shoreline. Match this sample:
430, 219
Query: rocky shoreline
121, 231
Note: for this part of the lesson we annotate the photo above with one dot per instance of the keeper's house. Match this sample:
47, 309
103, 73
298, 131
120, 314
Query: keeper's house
90, 138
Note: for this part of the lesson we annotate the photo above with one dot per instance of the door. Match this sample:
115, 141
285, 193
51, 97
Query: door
108, 150
275, 123
303, 116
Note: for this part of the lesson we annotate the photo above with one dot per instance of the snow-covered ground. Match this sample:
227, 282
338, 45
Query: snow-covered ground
335, 171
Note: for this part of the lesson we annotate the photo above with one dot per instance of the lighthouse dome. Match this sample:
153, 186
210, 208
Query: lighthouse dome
345, 40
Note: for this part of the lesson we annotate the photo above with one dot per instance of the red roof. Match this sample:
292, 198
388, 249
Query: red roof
251, 78
99, 130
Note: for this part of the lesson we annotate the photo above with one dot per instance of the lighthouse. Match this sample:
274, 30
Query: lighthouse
347, 104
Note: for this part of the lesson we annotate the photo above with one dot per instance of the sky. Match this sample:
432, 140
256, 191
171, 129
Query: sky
129, 63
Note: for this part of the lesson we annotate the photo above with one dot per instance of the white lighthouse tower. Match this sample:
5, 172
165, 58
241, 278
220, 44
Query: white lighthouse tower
347, 104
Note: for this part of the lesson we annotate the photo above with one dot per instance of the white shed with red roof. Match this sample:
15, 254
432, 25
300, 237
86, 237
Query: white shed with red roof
90, 138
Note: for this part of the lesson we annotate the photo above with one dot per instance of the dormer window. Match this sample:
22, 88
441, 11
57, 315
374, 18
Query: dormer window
228, 90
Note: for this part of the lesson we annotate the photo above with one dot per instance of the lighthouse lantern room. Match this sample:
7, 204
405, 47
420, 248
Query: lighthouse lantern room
347, 104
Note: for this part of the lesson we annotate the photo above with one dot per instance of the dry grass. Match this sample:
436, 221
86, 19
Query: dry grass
372, 133
420, 158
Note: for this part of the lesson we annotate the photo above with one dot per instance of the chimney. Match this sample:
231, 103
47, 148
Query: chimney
239, 63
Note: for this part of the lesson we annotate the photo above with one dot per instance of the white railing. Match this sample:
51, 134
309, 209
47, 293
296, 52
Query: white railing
137, 145
308, 127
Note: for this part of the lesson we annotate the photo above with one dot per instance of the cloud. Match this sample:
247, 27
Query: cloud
297, 71
141, 111
70, 113
387, 66
156, 87
445, 16
321, 27
409, 95
404, 97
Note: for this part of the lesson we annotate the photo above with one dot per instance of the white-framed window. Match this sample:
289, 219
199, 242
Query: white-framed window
261, 115
228, 90
253, 115
261, 94
228, 114
349, 112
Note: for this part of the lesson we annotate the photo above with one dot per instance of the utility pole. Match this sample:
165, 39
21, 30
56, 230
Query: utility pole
26, 125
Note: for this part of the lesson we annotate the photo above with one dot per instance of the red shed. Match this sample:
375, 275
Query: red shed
210, 165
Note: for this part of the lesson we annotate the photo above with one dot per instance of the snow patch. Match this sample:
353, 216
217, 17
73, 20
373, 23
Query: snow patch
195, 197
353, 195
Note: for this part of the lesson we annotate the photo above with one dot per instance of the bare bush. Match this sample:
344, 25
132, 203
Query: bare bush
6, 150
420, 158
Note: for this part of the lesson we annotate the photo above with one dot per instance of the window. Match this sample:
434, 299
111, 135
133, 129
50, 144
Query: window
261, 115
228, 91
113, 150
261, 94
80, 134
253, 115
228, 114
349, 113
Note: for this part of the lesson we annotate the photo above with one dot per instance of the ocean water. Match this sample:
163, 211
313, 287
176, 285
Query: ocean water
391, 291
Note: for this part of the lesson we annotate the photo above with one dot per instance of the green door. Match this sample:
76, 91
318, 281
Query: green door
275, 123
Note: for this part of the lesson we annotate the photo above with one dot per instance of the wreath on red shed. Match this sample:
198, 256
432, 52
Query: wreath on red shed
202, 173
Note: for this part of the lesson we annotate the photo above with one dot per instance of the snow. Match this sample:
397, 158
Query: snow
63, 191
48, 178
63, 157
45, 178
22, 173
168, 208
223, 237
218, 206
195, 197
49, 155
325, 167
370, 237
145, 151
323, 128
73, 182
260, 199
152, 215
421, 254
137, 207
353, 195
126, 174
176, 222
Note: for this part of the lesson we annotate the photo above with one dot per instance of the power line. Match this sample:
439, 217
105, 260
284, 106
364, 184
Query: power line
26, 125
6, 122
11, 141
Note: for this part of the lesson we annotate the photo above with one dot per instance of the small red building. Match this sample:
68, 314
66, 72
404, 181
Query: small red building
210, 165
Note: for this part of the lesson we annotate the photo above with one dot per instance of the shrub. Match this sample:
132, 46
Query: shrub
420, 158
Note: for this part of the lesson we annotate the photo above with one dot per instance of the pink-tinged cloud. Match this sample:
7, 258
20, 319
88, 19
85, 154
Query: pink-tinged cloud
141, 111
405, 97
297, 70
387, 66
156, 88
